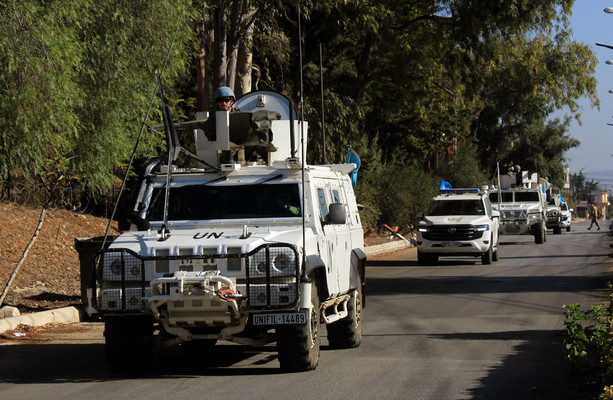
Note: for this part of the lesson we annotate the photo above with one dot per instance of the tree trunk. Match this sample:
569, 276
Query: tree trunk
234, 38
362, 67
221, 40
41, 219
245, 62
201, 75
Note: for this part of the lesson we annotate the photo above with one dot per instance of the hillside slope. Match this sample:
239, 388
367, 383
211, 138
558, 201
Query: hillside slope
50, 276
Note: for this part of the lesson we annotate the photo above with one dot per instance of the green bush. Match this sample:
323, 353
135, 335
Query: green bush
394, 193
586, 335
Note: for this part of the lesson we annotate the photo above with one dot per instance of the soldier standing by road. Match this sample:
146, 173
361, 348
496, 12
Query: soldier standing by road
593, 214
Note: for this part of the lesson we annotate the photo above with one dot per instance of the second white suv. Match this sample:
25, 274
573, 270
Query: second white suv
459, 222
566, 216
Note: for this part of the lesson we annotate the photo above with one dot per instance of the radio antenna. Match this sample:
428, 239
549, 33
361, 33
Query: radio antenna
302, 143
323, 113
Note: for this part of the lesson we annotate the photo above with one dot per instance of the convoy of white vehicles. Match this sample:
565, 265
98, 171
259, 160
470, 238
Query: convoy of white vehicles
251, 246
468, 222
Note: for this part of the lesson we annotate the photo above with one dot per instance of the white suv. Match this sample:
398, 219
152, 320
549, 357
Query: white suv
459, 222
566, 216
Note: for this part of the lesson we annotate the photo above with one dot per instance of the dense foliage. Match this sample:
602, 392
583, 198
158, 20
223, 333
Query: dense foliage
422, 90
75, 82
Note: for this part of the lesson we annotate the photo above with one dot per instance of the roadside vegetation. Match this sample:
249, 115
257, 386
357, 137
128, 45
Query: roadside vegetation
589, 347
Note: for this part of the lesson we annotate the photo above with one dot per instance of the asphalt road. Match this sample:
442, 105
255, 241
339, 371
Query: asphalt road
458, 330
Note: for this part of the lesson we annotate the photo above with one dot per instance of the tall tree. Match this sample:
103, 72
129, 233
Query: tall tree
77, 79
227, 29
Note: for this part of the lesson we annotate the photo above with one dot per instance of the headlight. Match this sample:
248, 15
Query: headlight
135, 271
261, 267
115, 266
535, 216
423, 229
482, 228
283, 262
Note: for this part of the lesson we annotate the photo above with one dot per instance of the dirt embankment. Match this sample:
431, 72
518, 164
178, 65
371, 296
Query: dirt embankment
50, 275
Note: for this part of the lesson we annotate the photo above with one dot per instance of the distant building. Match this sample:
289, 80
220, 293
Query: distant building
601, 200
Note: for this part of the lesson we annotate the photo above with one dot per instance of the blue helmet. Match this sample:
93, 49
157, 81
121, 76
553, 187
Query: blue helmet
224, 91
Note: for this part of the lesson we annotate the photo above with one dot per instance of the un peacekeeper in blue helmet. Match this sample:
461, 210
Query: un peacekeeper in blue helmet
224, 99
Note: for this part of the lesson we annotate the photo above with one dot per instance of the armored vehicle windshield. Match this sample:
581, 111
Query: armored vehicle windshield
507, 197
209, 202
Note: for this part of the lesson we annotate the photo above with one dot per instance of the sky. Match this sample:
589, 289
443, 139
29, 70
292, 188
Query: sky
591, 25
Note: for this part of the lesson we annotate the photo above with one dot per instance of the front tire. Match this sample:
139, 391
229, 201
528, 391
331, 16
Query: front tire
199, 347
486, 258
539, 234
426, 259
298, 345
347, 332
495, 256
127, 343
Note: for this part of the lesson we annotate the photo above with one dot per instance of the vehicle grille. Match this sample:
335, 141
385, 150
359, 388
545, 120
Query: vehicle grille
514, 214
120, 276
452, 232
271, 272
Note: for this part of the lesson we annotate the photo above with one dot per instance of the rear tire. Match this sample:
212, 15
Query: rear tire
557, 230
347, 333
298, 345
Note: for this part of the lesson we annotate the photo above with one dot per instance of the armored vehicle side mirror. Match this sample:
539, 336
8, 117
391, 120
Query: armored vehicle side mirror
336, 214
419, 215
141, 223
495, 214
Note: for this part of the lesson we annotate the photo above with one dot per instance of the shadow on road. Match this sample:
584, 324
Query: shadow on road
79, 363
531, 371
379, 286
61, 363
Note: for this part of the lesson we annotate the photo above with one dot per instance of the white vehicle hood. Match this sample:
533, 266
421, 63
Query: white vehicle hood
219, 239
456, 220
518, 206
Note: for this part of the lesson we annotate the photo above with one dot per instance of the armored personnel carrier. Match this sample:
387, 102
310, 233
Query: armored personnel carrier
252, 246
522, 207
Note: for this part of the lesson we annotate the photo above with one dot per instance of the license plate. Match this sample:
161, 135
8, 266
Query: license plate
451, 244
298, 318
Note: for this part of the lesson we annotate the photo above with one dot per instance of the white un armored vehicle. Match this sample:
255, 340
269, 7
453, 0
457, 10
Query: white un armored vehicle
252, 246
522, 206
459, 222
